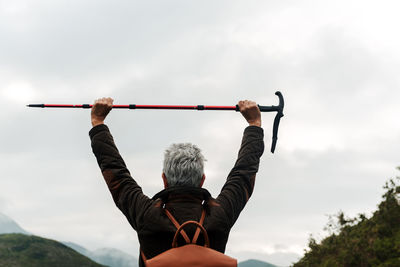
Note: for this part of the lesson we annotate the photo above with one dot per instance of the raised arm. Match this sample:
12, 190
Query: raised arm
126, 193
240, 182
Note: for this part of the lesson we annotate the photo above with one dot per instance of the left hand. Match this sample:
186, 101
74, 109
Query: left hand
100, 110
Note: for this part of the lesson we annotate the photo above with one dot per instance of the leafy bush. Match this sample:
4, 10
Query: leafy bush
361, 241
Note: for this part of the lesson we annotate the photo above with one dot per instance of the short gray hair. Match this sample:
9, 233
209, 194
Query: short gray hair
183, 165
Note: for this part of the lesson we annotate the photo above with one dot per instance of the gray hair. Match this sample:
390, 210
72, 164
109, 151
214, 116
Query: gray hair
183, 165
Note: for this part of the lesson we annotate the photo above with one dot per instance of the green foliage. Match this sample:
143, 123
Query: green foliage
361, 241
33, 251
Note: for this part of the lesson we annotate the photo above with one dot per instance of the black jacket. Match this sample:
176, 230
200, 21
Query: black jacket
155, 230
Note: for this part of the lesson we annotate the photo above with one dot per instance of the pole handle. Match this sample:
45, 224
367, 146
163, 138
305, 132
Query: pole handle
268, 108
277, 119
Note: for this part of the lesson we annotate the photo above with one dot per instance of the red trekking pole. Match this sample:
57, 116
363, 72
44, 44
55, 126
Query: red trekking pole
278, 109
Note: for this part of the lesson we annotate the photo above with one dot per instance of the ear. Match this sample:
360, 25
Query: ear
202, 180
164, 180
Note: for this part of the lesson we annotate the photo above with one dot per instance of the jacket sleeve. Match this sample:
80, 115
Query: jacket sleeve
126, 193
240, 182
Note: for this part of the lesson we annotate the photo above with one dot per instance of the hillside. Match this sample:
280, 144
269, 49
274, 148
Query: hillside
19, 250
361, 241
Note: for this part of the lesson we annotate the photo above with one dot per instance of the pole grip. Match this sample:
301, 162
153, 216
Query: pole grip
268, 108
263, 108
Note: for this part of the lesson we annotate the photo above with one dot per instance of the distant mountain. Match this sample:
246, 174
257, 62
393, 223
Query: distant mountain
8, 225
255, 263
107, 256
276, 258
19, 250
77, 248
113, 258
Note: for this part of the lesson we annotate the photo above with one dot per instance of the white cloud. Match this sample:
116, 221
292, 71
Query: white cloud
19, 92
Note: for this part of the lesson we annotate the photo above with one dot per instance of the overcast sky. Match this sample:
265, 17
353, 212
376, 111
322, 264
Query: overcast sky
336, 63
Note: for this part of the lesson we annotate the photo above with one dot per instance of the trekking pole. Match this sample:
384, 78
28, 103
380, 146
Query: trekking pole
278, 109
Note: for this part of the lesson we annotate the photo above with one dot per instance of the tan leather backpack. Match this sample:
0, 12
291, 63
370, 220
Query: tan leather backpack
191, 254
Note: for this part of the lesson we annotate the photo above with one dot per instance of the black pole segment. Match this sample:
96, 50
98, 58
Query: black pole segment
86, 106
132, 106
200, 107
219, 108
35, 105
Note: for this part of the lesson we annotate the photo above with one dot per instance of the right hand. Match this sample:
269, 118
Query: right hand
250, 112
100, 110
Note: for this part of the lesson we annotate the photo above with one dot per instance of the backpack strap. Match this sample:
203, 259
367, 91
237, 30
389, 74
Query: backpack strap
196, 235
177, 225
143, 256
183, 233
207, 241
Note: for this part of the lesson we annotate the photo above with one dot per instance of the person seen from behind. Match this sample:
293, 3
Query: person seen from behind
183, 177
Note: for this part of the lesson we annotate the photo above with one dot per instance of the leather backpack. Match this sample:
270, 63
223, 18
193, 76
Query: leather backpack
191, 254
